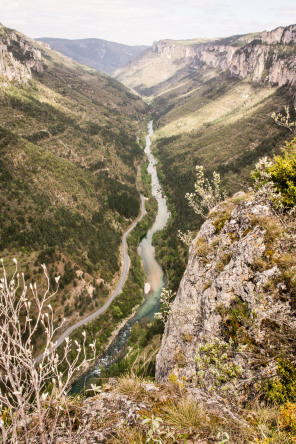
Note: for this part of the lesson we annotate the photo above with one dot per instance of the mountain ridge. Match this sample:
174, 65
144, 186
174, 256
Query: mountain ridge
103, 55
253, 54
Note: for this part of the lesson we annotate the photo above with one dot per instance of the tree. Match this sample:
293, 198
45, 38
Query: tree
206, 194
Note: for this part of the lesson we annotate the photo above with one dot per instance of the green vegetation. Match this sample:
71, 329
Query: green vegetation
282, 388
69, 154
283, 173
236, 321
230, 145
145, 184
102, 327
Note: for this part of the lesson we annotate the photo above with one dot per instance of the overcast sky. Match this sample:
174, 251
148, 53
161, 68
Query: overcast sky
143, 21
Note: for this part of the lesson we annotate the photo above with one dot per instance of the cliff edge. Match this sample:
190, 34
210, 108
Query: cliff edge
234, 310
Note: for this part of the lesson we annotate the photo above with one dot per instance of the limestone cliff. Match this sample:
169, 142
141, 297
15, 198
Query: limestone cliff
268, 56
234, 294
18, 57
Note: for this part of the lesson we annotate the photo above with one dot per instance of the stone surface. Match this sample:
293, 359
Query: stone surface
266, 57
18, 57
214, 279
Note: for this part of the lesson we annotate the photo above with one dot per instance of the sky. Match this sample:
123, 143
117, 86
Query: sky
141, 22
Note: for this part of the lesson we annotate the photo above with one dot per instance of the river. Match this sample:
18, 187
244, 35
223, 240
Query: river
154, 277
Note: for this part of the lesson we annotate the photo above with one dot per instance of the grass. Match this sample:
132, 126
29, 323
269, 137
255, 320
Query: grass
185, 419
131, 386
128, 435
186, 414
179, 417
203, 248
241, 100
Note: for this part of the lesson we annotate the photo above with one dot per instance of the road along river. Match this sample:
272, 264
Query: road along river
118, 289
154, 276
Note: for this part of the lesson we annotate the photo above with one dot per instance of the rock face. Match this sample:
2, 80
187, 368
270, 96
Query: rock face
222, 275
18, 58
268, 57
171, 50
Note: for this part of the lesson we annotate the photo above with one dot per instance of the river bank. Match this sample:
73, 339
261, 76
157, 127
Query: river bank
154, 274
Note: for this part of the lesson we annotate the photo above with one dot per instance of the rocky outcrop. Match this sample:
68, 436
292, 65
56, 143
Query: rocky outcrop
267, 57
279, 35
224, 296
173, 50
18, 58
117, 417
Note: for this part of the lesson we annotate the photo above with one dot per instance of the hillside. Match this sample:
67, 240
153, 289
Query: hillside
217, 364
157, 64
101, 54
212, 105
69, 153
266, 57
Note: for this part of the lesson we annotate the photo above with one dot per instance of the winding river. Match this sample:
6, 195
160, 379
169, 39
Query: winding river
154, 277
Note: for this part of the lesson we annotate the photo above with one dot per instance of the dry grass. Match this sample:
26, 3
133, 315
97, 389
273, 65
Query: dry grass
203, 248
132, 385
128, 435
225, 109
185, 414
268, 428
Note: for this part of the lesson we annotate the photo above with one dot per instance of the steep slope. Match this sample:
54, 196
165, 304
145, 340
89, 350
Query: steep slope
267, 56
232, 323
69, 149
212, 105
157, 64
101, 54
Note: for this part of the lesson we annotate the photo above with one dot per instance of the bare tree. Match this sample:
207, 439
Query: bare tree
285, 120
30, 392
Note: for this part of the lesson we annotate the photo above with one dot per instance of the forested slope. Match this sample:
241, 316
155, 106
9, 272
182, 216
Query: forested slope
70, 143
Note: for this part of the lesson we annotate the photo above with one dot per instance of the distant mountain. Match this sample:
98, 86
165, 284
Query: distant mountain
100, 54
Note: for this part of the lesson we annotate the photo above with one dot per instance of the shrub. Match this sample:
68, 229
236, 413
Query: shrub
33, 390
282, 388
283, 173
279, 174
288, 417
206, 194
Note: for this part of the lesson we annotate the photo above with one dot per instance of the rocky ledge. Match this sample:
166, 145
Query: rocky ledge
225, 328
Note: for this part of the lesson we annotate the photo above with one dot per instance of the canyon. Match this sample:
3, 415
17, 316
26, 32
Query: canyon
72, 142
